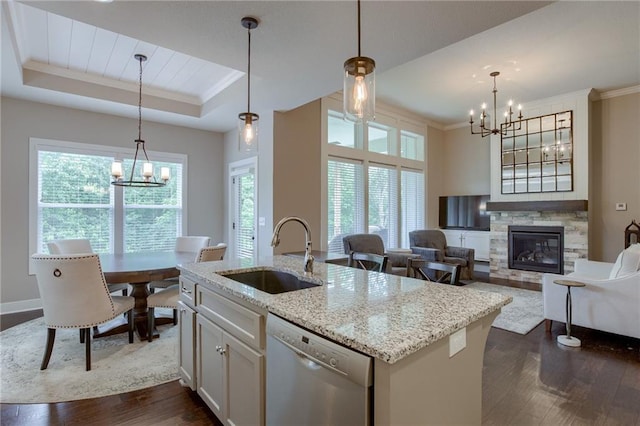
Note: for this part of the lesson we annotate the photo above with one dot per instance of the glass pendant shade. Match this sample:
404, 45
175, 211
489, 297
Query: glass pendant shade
359, 91
248, 132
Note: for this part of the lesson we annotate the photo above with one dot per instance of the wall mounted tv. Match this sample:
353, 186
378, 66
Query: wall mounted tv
464, 212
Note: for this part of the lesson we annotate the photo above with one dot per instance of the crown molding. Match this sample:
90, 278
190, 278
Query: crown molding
618, 92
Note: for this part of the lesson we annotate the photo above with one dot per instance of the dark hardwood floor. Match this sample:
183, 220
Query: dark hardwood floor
527, 380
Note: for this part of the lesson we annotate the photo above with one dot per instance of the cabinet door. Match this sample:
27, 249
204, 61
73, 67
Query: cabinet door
244, 383
187, 324
480, 241
210, 366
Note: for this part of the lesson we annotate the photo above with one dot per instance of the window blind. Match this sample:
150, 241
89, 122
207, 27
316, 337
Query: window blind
412, 203
345, 201
383, 206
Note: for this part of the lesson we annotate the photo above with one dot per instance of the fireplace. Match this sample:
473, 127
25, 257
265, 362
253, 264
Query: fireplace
536, 248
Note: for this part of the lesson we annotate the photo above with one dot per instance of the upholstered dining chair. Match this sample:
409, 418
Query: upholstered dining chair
208, 254
372, 243
186, 244
78, 246
168, 298
368, 261
74, 294
431, 244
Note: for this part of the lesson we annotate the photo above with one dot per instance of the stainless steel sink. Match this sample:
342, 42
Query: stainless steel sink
270, 281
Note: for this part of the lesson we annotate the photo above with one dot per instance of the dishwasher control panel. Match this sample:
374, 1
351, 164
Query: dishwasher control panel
319, 349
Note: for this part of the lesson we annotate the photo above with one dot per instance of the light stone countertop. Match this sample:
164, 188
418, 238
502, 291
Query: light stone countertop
385, 316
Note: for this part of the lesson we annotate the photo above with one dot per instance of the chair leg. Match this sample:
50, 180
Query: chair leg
51, 336
87, 347
130, 318
175, 317
82, 335
150, 323
125, 291
547, 325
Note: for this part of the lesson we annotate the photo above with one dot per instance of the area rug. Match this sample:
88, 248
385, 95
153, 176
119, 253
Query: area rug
520, 316
116, 365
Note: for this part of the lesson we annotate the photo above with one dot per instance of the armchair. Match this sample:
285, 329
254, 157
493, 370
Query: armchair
609, 301
373, 244
432, 245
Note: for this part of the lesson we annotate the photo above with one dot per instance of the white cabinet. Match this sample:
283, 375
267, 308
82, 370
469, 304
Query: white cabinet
222, 343
230, 376
187, 324
480, 241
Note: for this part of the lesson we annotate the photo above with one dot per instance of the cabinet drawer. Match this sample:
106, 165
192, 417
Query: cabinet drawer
243, 323
187, 291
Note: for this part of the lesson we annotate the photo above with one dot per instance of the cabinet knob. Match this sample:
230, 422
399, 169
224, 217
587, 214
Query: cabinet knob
218, 348
223, 351
185, 290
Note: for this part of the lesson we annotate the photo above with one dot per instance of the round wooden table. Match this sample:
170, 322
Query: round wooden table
567, 339
138, 269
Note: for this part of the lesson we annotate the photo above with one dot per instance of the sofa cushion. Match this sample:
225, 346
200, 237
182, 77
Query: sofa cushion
627, 263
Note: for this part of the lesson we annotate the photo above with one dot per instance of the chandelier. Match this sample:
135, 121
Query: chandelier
359, 90
248, 125
486, 128
147, 179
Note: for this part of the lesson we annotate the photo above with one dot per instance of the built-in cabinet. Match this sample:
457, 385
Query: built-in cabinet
229, 361
480, 241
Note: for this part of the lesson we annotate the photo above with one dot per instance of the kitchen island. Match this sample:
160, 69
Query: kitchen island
427, 340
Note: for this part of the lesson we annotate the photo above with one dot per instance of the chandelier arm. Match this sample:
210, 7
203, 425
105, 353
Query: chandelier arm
135, 160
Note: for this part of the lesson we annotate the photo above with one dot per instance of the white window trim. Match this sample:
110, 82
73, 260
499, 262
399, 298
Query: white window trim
38, 144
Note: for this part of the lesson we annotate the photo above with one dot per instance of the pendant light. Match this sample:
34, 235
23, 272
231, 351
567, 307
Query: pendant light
248, 124
148, 179
359, 90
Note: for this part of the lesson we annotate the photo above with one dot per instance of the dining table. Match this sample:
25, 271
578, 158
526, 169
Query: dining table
137, 270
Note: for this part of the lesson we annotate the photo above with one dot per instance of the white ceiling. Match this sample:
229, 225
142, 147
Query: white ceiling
433, 57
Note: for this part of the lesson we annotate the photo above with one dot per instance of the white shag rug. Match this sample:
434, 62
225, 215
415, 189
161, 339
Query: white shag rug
520, 316
116, 365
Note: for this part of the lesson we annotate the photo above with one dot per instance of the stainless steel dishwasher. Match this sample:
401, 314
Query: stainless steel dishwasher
314, 381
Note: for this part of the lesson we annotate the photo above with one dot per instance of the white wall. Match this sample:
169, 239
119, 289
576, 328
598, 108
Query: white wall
23, 119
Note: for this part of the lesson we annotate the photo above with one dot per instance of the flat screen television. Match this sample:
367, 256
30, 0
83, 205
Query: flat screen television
464, 212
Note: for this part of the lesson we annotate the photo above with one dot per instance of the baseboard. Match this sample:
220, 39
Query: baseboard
20, 306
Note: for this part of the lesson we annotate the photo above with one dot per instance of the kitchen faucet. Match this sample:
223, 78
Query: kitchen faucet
308, 257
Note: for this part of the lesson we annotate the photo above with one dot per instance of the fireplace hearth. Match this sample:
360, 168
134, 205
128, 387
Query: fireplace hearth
536, 248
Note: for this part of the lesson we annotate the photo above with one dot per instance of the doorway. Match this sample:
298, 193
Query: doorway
243, 208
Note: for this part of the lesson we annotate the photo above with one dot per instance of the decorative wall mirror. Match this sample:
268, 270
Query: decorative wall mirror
537, 156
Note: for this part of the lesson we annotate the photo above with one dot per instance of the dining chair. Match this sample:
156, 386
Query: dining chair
368, 261
168, 297
433, 271
74, 294
77, 246
207, 254
187, 244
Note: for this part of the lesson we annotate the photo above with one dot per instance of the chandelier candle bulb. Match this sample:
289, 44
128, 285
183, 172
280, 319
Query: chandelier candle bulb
147, 170
165, 173
116, 169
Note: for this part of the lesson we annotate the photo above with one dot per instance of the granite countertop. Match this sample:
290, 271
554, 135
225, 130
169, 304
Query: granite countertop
385, 316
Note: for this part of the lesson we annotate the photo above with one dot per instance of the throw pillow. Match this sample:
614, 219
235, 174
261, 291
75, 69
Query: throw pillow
627, 262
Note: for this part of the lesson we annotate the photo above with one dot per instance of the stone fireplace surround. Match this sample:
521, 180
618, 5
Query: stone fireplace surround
572, 215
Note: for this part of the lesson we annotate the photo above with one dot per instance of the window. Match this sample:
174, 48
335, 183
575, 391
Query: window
412, 206
375, 179
72, 197
346, 201
383, 206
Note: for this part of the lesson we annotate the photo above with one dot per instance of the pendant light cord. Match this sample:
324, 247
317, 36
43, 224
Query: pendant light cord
249, 71
140, 103
359, 28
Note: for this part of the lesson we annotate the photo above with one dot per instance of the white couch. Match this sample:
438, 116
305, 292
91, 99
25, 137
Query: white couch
607, 304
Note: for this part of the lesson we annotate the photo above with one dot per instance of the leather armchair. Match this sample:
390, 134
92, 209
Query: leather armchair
431, 244
372, 243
